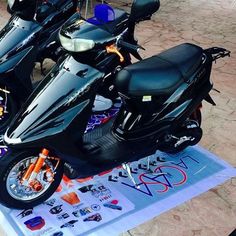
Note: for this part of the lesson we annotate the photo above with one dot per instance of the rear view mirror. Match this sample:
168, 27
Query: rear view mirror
143, 9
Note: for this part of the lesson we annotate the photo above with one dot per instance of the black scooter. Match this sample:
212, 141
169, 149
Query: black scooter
30, 36
161, 100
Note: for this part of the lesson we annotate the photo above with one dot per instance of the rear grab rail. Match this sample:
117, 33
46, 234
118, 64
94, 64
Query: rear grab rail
217, 53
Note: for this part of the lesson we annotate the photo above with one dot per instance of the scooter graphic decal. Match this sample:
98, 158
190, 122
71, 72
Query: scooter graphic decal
101, 118
35, 223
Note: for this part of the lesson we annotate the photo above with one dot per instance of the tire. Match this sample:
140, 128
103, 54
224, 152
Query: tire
7, 163
12, 108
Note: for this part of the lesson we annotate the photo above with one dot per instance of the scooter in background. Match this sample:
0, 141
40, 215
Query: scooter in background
161, 101
29, 36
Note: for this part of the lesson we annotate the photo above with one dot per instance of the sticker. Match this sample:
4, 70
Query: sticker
86, 210
76, 213
71, 198
50, 202
95, 207
35, 223
97, 217
26, 212
56, 209
69, 224
85, 189
62, 216
147, 98
113, 205
59, 233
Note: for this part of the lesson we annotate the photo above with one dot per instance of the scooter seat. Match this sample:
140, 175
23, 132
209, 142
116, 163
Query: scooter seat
161, 74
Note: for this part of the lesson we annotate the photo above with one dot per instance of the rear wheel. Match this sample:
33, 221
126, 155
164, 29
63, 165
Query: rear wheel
17, 189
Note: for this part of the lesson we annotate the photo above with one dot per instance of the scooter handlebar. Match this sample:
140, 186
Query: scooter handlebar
131, 48
128, 46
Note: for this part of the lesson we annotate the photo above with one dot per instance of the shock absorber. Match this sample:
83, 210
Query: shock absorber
31, 174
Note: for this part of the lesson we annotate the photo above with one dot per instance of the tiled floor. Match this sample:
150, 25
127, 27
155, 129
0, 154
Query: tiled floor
206, 23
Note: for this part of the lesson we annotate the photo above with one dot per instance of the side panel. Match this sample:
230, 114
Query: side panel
163, 113
53, 108
17, 35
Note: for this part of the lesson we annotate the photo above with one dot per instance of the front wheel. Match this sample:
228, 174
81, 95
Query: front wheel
18, 189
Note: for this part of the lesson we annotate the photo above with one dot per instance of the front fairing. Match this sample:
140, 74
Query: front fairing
67, 91
77, 27
16, 36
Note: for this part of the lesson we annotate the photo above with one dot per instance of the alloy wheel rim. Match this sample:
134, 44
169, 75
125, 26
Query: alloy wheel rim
14, 186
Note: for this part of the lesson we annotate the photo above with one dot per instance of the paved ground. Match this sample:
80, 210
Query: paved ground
206, 23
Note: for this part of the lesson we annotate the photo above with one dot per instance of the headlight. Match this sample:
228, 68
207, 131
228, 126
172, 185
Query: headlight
77, 44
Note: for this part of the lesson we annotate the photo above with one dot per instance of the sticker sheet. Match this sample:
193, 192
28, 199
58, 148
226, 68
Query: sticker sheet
110, 203
74, 209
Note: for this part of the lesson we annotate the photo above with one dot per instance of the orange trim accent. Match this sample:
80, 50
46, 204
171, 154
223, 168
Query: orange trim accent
84, 179
28, 172
113, 49
68, 182
66, 179
71, 198
105, 172
36, 185
45, 152
39, 165
40, 161
59, 188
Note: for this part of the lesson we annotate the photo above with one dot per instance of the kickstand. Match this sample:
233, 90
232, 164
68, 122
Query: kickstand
127, 168
149, 170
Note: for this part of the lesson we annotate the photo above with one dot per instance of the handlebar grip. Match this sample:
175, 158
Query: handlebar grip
128, 46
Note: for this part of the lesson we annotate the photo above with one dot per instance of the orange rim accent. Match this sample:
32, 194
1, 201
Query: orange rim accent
36, 185
113, 49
